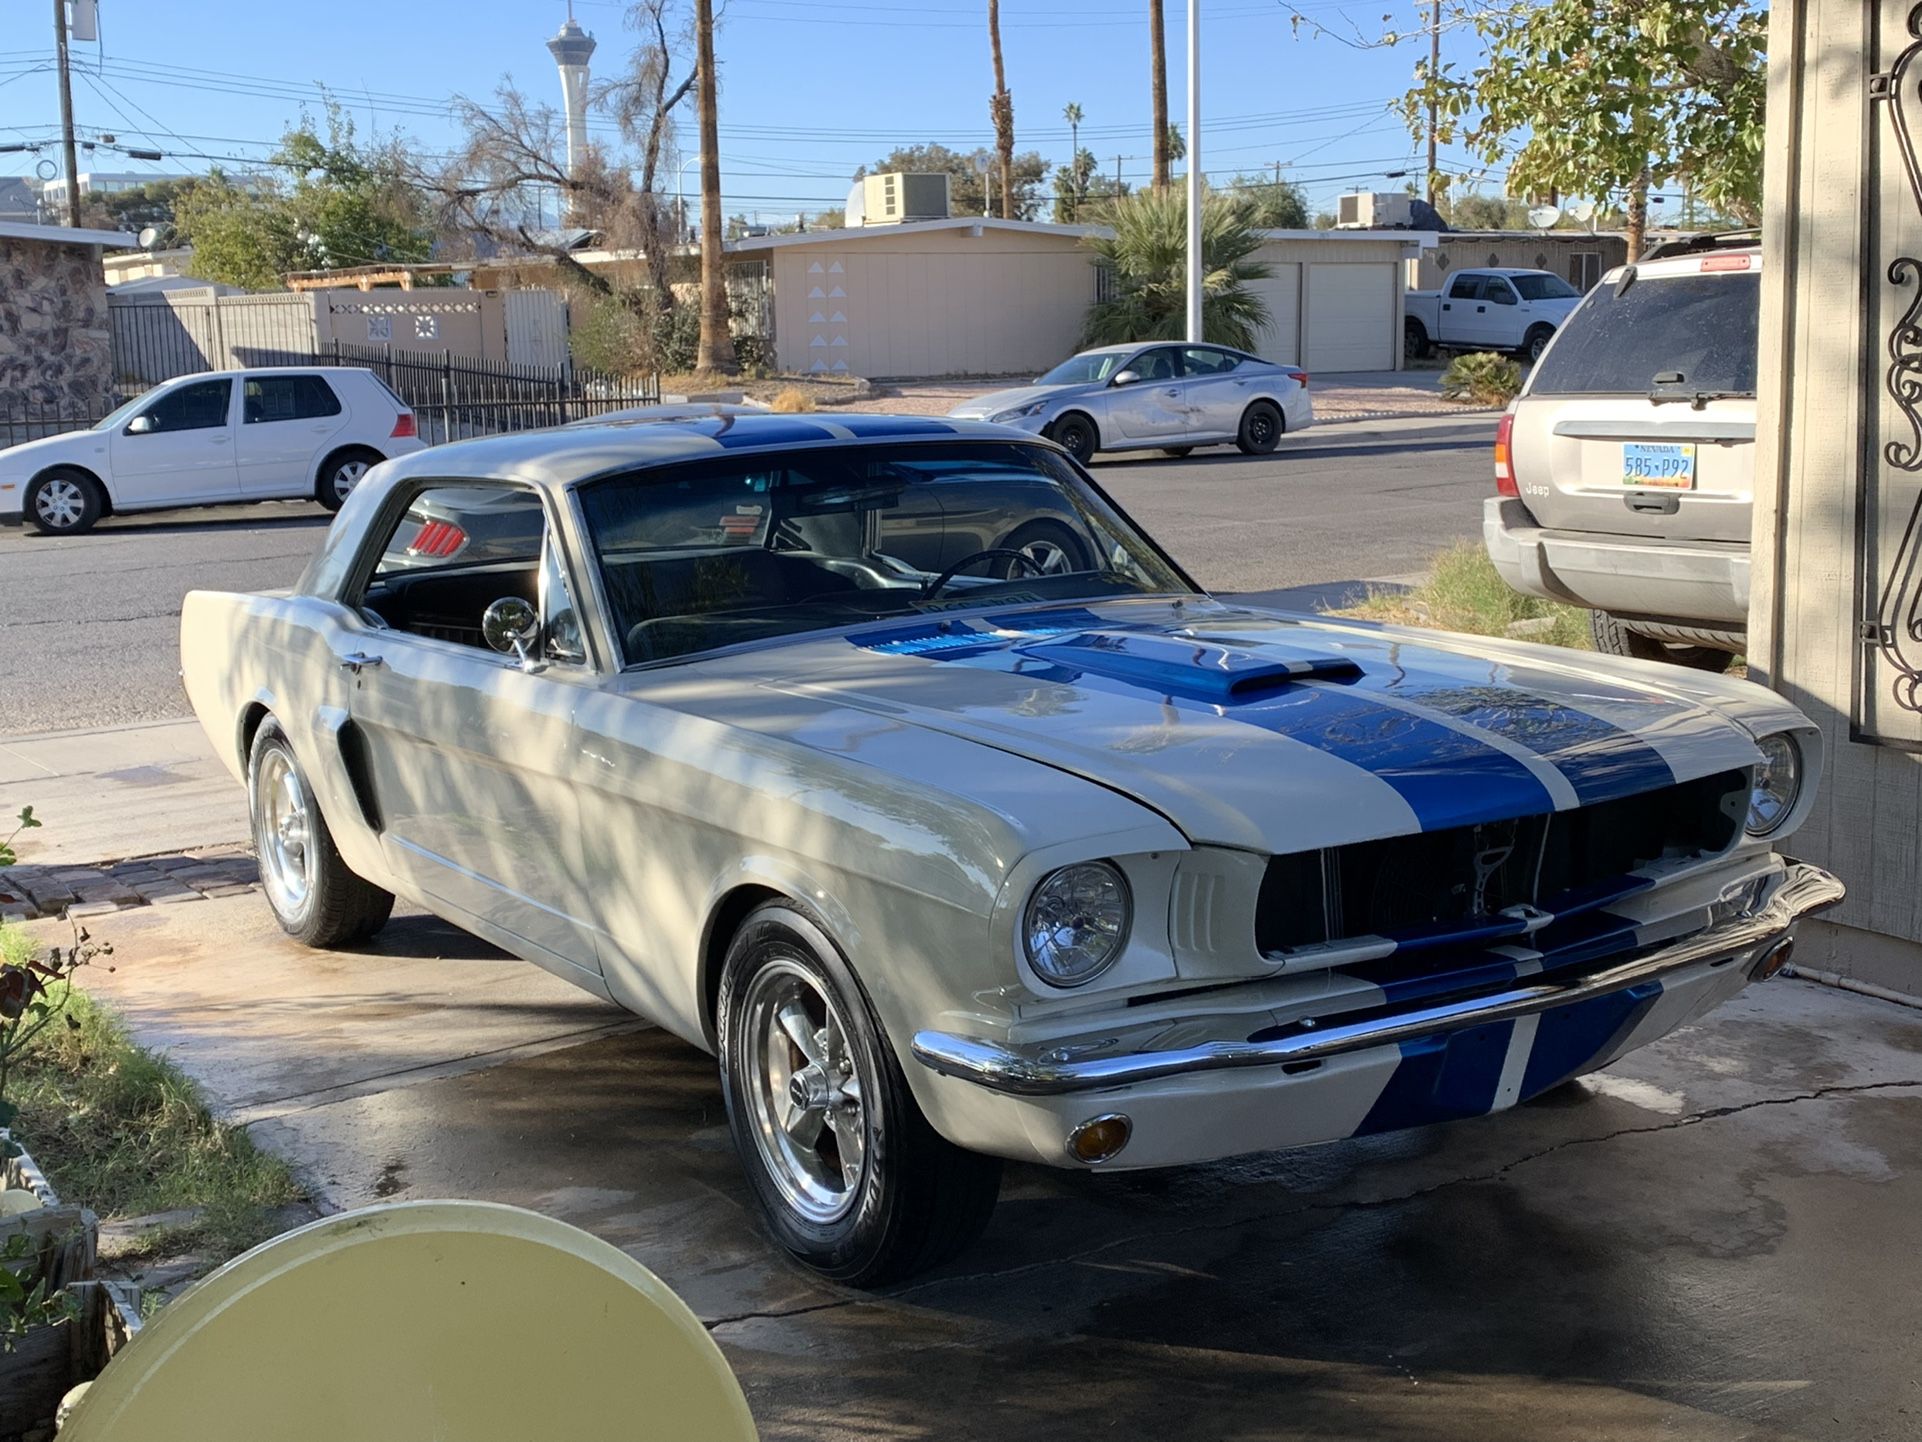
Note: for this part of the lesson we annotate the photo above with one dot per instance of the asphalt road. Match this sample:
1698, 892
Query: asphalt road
91, 621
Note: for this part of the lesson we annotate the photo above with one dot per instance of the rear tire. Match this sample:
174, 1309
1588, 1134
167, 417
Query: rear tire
851, 1179
1050, 545
65, 502
1536, 342
1075, 433
1613, 638
316, 899
1414, 340
341, 472
1261, 429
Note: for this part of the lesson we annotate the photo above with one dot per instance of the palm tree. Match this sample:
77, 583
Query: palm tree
716, 349
1001, 108
1158, 88
1071, 112
1148, 254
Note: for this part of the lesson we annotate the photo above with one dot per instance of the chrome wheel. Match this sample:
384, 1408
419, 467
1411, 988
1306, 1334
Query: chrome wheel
804, 1092
283, 832
59, 503
347, 475
1049, 558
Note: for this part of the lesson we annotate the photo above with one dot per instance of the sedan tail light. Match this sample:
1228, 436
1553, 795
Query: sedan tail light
1504, 465
1301, 377
403, 427
438, 539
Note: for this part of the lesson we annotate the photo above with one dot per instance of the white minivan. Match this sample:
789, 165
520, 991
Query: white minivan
211, 439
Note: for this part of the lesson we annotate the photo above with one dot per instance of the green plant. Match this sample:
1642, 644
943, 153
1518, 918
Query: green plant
1464, 592
677, 338
1147, 254
34, 994
26, 823
1481, 378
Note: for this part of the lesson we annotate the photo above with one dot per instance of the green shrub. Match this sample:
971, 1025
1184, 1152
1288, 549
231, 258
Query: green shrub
1464, 592
1482, 378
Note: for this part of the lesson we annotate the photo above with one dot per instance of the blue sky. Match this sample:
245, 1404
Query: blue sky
810, 88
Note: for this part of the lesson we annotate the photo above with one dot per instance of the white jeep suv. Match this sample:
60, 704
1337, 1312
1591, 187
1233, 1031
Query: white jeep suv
1625, 469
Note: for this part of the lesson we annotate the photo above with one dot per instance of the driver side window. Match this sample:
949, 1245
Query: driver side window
459, 549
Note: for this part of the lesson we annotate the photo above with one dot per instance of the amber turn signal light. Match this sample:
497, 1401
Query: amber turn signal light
1099, 1138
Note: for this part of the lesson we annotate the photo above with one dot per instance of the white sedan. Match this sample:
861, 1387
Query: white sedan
211, 439
1166, 396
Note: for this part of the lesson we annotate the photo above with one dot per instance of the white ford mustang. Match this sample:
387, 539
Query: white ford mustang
775, 730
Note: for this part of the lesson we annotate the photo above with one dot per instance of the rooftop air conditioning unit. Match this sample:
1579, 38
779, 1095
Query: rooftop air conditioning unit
894, 198
1377, 210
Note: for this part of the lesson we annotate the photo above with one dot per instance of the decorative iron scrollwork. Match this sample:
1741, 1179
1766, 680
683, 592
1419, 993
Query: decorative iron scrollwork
1896, 631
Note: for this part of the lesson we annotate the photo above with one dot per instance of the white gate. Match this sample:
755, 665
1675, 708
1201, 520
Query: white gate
537, 327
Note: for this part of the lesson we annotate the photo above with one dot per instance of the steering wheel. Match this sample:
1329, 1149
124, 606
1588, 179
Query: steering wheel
934, 587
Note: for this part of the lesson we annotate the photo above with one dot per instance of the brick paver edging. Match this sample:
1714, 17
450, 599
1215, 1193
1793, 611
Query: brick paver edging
28, 893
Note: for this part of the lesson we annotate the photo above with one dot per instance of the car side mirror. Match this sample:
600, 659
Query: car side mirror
1125, 378
511, 626
141, 425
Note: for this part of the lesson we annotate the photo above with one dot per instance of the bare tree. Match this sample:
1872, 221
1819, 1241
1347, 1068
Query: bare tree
1001, 108
717, 346
1158, 90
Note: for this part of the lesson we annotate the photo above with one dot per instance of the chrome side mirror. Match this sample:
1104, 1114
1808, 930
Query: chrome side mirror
511, 626
141, 425
1125, 378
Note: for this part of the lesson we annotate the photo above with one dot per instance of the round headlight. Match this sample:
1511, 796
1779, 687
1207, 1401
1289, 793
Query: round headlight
1778, 781
1077, 922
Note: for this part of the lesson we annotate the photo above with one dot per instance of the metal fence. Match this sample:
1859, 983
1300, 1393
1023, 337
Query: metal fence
454, 397
30, 423
156, 338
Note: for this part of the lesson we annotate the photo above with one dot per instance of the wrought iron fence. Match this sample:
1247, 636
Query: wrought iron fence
20, 424
455, 397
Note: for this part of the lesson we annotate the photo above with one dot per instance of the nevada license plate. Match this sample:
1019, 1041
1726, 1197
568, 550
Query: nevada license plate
1651, 465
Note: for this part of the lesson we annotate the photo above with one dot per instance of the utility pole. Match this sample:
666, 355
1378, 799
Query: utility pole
66, 113
1195, 336
1434, 73
1117, 177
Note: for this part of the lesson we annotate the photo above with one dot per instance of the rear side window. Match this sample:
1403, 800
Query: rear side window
288, 398
1702, 327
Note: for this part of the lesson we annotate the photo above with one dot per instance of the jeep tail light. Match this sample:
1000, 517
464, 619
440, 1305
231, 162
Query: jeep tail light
403, 427
1504, 467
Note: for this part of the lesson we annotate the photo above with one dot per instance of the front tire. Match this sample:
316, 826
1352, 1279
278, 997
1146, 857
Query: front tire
65, 502
849, 1176
1075, 433
341, 472
315, 898
1261, 429
1612, 638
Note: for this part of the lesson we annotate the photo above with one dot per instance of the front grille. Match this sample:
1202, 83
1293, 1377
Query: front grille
1441, 882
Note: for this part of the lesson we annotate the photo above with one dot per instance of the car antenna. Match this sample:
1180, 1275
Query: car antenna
1627, 279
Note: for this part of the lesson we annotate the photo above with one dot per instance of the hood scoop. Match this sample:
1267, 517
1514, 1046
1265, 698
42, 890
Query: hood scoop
1189, 667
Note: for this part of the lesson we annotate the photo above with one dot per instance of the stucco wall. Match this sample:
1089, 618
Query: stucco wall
1556, 251
54, 350
1838, 470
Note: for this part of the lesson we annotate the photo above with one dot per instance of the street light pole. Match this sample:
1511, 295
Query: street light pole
1194, 172
66, 113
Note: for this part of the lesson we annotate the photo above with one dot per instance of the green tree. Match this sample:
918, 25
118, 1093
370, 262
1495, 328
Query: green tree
1607, 97
241, 234
1081, 189
966, 193
1270, 204
1147, 253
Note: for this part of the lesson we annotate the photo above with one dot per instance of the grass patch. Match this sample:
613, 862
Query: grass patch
15, 945
127, 1133
1464, 592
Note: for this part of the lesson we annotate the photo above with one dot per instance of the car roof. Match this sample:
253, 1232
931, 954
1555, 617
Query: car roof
561, 456
1734, 260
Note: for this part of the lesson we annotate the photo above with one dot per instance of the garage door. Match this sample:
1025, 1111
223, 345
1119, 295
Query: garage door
1281, 293
1351, 316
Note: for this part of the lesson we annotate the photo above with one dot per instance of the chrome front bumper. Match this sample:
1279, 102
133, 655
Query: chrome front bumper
1032, 1071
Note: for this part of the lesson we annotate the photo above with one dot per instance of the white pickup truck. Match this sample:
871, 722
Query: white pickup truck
1511, 310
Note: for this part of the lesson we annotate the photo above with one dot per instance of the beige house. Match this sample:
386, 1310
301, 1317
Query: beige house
1835, 618
1578, 257
964, 296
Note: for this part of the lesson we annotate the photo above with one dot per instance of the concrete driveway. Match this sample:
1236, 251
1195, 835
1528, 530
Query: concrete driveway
1719, 1238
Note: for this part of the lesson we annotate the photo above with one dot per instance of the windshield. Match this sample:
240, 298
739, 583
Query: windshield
1701, 328
1089, 368
121, 412
747, 548
1543, 287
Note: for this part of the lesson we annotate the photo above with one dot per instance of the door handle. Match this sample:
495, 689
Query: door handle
1446, 306
1480, 308
1172, 391
217, 440
359, 661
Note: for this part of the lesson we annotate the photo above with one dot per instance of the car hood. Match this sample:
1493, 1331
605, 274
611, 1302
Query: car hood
1274, 732
981, 407
67, 446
